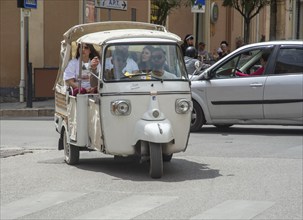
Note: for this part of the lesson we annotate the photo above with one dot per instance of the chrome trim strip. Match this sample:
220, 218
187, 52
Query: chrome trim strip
143, 93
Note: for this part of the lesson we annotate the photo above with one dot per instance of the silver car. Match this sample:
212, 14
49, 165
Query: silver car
244, 88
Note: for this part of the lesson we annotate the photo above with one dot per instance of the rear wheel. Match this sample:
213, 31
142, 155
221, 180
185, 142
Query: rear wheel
71, 152
156, 162
197, 117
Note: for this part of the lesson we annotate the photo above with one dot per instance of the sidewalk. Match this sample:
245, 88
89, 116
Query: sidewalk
19, 109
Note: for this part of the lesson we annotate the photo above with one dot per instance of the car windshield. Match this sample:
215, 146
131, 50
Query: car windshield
138, 62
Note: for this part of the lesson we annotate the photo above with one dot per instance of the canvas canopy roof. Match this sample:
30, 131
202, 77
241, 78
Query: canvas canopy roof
79, 30
99, 38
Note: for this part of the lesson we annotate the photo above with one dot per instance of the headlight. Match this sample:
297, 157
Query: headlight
182, 106
121, 107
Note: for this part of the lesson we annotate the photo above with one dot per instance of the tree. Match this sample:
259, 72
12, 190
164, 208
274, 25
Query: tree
162, 8
248, 9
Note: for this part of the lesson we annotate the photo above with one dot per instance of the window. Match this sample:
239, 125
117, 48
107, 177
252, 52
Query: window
246, 62
138, 62
289, 60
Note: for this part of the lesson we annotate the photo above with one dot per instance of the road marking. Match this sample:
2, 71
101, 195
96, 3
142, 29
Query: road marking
235, 209
128, 208
35, 203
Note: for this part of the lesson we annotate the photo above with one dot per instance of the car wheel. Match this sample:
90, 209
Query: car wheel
197, 117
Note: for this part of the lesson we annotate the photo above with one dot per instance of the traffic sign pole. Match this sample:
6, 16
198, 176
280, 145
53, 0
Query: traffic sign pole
26, 6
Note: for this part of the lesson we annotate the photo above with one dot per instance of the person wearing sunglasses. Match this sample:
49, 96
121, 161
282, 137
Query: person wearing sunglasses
90, 63
130, 66
158, 65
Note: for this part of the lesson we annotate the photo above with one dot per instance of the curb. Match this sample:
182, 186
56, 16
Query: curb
32, 112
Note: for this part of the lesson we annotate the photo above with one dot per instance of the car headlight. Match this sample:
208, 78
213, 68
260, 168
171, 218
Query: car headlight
182, 106
121, 107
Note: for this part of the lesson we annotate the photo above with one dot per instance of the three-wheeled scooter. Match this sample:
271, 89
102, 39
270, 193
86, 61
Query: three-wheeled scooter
144, 112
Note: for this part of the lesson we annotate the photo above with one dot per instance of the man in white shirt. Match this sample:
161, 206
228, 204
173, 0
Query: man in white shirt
158, 63
130, 65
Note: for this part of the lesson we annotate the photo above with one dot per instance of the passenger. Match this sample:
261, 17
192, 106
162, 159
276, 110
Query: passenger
119, 61
145, 59
90, 63
158, 64
259, 71
130, 67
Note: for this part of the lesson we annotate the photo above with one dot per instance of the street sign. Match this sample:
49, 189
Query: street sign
27, 4
198, 7
111, 4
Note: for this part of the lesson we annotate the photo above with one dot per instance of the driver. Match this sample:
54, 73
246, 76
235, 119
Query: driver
259, 71
158, 64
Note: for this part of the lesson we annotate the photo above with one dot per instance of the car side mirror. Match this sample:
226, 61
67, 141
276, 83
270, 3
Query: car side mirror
206, 75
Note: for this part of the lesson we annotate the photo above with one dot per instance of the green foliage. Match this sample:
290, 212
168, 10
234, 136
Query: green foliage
162, 8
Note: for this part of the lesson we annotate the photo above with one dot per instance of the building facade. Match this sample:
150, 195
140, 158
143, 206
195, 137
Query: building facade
52, 18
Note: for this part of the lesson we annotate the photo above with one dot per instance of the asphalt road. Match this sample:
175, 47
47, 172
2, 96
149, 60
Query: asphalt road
245, 172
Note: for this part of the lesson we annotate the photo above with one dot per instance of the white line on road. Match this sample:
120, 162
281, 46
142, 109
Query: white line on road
128, 208
35, 203
235, 209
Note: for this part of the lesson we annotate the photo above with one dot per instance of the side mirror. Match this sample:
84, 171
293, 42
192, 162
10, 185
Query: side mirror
206, 75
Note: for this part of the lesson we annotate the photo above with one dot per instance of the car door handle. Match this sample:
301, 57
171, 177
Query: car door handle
256, 85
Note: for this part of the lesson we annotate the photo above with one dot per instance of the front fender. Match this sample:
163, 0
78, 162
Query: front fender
203, 104
153, 131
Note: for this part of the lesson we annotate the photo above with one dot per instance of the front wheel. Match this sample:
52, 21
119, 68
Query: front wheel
156, 162
71, 152
197, 117
167, 157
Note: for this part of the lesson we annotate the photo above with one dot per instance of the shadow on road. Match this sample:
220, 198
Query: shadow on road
267, 131
130, 169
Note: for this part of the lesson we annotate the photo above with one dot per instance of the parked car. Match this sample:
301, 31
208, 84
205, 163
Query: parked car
222, 98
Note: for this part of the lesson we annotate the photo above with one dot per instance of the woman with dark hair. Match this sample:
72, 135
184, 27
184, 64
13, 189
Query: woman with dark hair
222, 50
187, 42
90, 63
145, 59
